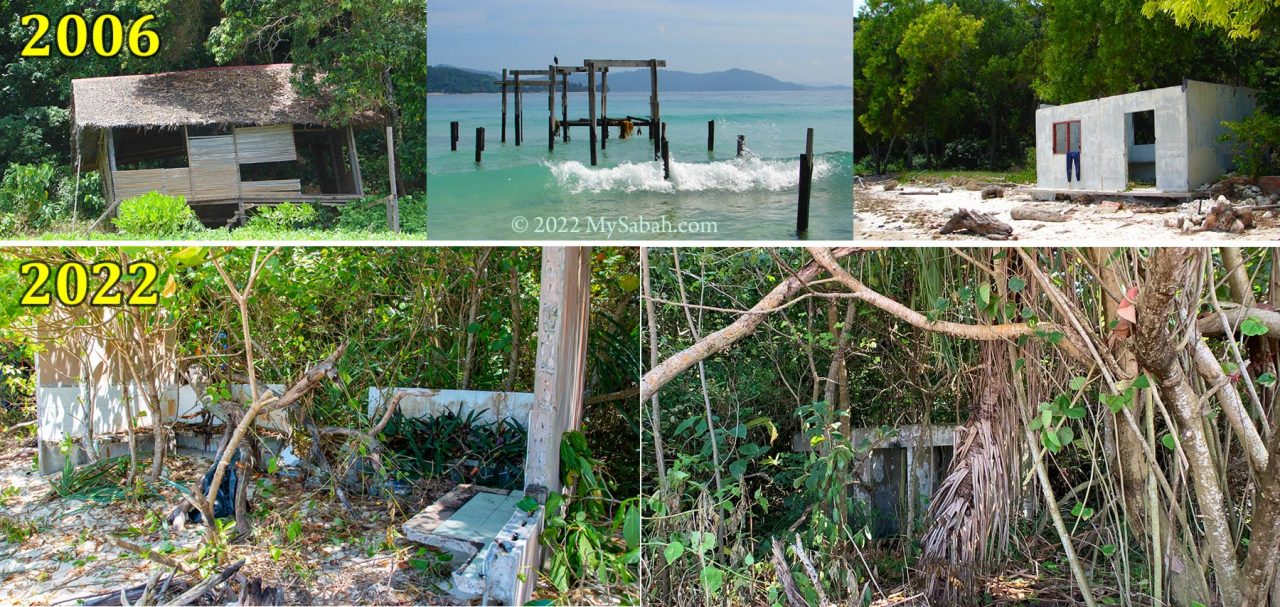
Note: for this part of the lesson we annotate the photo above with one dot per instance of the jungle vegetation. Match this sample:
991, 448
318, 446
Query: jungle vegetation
954, 84
1114, 413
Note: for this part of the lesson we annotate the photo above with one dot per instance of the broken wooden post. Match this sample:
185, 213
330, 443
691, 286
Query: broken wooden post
742, 144
591, 110
480, 141
551, 109
393, 201
504, 105
666, 160
711, 135
604, 106
802, 208
808, 145
453, 136
519, 125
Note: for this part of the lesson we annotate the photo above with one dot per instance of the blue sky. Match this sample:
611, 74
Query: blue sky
807, 41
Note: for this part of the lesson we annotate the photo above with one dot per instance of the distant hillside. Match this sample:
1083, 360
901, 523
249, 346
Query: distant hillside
673, 80
449, 79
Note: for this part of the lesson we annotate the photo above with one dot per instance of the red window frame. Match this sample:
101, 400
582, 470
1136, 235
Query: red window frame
1054, 132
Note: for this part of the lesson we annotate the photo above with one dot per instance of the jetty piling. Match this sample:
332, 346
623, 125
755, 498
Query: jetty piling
711, 135
479, 142
604, 106
742, 144
806, 186
504, 105
453, 136
666, 160
519, 125
551, 108
591, 112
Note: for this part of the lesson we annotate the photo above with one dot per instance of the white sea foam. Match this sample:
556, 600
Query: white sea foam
737, 175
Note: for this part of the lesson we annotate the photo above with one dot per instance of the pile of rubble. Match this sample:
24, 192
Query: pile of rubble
1235, 204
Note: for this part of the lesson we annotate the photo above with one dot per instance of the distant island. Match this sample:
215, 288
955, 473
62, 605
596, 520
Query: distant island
456, 80
449, 79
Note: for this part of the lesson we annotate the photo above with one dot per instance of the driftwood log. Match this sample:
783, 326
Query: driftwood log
1038, 215
207, 585
977, 223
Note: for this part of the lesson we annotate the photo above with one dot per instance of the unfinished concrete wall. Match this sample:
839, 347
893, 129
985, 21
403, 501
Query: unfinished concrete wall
424, 402
1208, 105
1105, 130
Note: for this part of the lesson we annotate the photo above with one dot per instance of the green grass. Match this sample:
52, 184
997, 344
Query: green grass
242, 234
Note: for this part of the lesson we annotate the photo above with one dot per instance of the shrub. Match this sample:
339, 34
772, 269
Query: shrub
361, 215
155, 215
26, 191
1255, 143
283, 217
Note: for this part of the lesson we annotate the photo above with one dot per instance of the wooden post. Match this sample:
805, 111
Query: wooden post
666, 160
519, 125
604, 107
591, 111
393, 201
802, 210
711, 135
808, 145
355, 162
504, 105
742, 144
564, 107
480, 141
453, 132
655, 112
564, 303
551, 109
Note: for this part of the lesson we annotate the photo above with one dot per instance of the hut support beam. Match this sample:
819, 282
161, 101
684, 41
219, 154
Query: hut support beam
393, 201
355, 162
112, 201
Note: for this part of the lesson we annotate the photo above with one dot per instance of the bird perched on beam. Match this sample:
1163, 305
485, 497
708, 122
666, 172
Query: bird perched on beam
556, 59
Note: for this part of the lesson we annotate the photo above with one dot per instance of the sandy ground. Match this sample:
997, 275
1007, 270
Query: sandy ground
892, 215
333, 561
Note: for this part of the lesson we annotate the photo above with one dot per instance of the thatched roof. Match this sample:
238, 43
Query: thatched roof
246, 95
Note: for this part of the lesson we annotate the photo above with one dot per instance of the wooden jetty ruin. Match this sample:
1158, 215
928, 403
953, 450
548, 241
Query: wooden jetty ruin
597, 119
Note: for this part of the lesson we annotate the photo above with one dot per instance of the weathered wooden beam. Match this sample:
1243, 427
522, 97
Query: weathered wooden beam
531, 72
599, 63
604, 107
504, 105
355, 162
564, 107
519, 125
656, 113
711, 135
453, 131
591, 111
528, 83
551, 112
393, 201
480, 142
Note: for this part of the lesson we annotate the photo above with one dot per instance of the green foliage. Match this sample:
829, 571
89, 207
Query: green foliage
1240, 18
464, 447
1255, 143
155, 216
364, 215
283, 217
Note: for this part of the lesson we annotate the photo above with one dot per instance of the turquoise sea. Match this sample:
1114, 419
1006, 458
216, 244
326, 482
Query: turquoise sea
527, 192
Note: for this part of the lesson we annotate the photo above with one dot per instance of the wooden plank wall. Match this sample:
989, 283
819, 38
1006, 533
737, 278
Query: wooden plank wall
175, 182
265, 143
214, 172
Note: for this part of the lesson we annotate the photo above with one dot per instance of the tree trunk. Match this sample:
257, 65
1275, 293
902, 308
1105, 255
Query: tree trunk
1157, 353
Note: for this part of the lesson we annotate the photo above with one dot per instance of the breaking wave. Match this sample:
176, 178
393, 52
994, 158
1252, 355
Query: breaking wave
737, 175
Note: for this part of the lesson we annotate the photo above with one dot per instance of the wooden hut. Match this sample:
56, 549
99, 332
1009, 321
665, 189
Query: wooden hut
224, 138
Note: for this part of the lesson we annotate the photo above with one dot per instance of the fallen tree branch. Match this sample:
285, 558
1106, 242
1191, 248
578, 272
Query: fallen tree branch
17, 427
628, 393
149, 553
794, 598
205, 586
1038, 215
1210, 325
745, 325
977, 223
